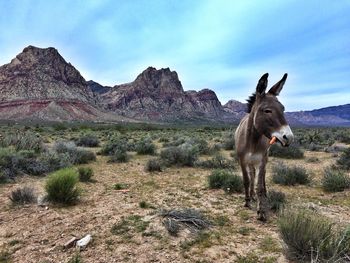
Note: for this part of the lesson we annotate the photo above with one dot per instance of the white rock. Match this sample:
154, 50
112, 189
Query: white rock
82, 243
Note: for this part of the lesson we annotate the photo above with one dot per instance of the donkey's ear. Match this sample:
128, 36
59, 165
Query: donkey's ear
262, 84
276, 89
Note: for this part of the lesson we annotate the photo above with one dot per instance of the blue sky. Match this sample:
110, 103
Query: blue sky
222, 45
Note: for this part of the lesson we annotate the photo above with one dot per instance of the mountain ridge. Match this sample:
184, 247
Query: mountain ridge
40, 84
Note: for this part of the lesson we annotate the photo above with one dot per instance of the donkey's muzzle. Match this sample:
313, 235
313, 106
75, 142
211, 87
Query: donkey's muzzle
284, 135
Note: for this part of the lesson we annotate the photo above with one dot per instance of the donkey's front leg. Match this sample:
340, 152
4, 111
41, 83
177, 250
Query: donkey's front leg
262, 196
252, 182
246, 183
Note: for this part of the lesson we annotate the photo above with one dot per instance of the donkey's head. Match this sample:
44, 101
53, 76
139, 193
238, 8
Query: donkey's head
268, 112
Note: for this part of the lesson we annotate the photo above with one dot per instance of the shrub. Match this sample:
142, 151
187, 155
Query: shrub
85, 174
83, 157
33, 166
154, 165
285, 175
223, 179
119, 156
145, 146
217, 162
59, 127
229, 141
61, 186
276, 200
9, 164
290, 152
183, 155
23, 141
233, 184
55, 161
23, 195
76, 156
335, 180
308, 236
344, 160
201, 144
113, 145
88, 141
176, 142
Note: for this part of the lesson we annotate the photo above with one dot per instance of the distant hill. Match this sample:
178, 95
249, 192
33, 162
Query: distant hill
329, 116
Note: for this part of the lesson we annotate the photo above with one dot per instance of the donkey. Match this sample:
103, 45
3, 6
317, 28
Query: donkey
264, 124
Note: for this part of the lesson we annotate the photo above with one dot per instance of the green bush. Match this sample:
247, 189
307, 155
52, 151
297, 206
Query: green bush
154, 165
335, 180
290, 152
85, 174
88, 140
9, 161
344, 160
145, 146
308, 236
23, 141
276, 200
76, 156
83, 157
229, 141
114, 145
61, 186
201, 144
55, 161
119, 156
23, 195
285, 175
226, 180
32, 166
216, 162
183, 155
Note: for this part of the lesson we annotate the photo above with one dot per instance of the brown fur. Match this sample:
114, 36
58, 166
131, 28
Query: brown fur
266, 117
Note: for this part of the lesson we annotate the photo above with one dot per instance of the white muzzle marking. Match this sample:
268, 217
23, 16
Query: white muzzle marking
284, 135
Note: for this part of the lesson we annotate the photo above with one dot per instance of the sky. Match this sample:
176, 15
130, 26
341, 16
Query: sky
222, 45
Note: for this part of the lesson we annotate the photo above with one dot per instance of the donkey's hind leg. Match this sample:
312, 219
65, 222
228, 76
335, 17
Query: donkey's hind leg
246, 183
262, 196
252, 182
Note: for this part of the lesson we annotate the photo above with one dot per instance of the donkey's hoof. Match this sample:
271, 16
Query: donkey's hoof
262, 216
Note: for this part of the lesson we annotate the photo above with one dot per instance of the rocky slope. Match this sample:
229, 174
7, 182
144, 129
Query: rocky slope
96, 87
158, 95
329, 116
39, 84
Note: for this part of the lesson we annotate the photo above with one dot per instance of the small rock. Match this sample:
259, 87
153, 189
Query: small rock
42, 201
82, 243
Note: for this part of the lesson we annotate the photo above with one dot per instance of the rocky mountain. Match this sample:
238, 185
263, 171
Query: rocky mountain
158, 95
235, 106
39, 84
96, 87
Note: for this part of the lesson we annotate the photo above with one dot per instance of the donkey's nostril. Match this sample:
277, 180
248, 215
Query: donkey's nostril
285, 137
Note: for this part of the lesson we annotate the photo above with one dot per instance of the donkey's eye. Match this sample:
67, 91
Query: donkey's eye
268, 111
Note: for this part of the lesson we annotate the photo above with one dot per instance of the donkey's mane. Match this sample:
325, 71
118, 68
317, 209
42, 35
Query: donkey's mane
251, 101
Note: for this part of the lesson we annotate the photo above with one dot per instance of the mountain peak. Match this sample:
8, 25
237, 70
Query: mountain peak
160, 79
